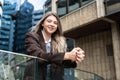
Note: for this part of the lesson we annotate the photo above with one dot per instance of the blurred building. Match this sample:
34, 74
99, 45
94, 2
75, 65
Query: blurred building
37, 15
7, 26
17, 19
23, 25
95, 27
50, 5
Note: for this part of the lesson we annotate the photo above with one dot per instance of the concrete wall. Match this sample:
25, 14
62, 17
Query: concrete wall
116, 47
99, 56
83, 15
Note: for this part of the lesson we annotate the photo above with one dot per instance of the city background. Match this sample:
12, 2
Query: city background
94, 25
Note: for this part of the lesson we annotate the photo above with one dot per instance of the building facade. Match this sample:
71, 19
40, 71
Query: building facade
7, 26
17, 19
95, 27
50, 5
37, 15
23, 25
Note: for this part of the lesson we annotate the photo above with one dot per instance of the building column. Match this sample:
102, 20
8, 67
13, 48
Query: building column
116, 48
54, 7
100, 8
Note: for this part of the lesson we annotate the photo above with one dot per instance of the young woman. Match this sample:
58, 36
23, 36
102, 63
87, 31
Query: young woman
47, 42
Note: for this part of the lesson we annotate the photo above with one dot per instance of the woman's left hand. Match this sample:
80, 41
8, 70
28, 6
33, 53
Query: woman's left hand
80, 54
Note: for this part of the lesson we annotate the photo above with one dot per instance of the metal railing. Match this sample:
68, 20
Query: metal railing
13, 66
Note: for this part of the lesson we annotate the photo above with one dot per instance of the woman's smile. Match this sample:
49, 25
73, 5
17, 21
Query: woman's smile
50, 25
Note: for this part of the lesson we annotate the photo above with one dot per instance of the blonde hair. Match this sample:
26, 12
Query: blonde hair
59, 45
58, 40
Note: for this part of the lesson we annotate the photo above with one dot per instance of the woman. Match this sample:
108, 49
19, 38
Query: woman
47, 42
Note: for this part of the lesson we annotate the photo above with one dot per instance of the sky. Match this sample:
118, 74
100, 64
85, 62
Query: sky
38, 4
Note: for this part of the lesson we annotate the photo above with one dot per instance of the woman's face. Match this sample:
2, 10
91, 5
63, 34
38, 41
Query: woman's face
50, 25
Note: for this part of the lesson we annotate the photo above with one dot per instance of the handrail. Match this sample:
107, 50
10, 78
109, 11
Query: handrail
96, 76
85, 71
22, 55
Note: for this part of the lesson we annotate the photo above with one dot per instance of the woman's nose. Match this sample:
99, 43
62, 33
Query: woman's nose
52, 24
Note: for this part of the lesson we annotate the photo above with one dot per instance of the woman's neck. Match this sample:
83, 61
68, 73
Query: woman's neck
46, 36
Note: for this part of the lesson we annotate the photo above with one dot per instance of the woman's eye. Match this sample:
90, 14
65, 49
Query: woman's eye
49, 21
55, 23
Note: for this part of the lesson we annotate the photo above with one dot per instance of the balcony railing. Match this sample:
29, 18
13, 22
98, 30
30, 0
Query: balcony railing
13, 67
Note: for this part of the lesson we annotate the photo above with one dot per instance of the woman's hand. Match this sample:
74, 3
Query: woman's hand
77, 54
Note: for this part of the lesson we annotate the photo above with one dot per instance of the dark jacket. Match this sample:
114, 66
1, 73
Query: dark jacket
35, 46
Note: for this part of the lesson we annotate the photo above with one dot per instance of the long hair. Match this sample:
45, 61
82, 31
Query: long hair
58, 41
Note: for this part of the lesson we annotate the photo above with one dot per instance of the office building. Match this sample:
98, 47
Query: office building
7, 26
23, 25
37, 15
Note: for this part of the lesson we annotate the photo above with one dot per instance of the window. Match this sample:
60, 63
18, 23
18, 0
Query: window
111, 2
70, 44
73, 4
84, 2
66, 6
62, 7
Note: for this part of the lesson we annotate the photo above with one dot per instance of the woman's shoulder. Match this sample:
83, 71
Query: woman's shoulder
32, 34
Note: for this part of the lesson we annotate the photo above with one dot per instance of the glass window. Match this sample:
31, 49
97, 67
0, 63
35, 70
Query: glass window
73, 4
84, 2
48, 9
62, 7
110, 2
66, 6
70, 44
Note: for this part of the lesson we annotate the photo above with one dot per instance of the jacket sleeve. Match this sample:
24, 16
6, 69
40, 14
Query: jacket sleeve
69, 64
34, 48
